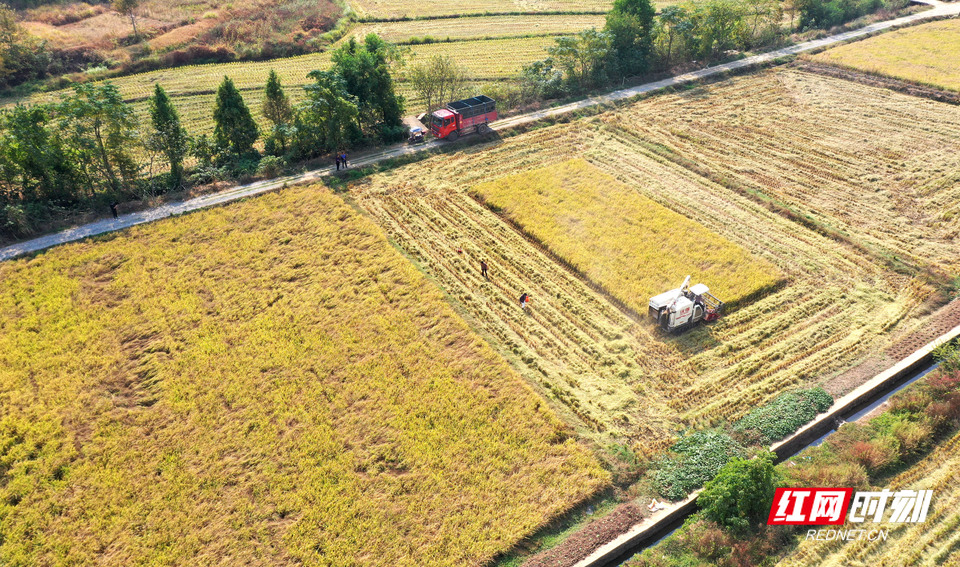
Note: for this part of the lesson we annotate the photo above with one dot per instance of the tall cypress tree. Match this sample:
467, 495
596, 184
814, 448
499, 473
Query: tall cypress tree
235, 129
169, 136
276, 107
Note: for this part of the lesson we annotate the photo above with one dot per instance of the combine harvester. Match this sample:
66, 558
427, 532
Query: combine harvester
459, 117
679, 309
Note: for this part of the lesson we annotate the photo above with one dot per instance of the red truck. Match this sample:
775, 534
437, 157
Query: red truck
459, 117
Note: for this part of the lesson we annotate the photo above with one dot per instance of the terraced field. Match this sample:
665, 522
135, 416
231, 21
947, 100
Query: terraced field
934, 542
193, 88
927, 54
393, 9
480, 27
778, 135
265, 383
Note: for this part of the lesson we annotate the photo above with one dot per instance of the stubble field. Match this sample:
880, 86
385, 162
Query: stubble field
266, 383
926, 54
733, 157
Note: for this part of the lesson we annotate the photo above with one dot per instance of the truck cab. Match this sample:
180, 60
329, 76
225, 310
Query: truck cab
442, 123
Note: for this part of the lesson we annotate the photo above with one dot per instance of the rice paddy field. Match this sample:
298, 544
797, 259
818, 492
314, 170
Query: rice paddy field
926, 53
265, 383
933, 542
479, 27
781, 164
394, 9
613, 234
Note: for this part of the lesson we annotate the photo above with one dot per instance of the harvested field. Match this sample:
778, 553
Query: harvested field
873, 166
265, 383
480, 27
630, 245
933, 542
927, 53
621, 379
393, 9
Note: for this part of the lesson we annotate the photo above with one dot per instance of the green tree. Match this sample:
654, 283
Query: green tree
169, 135
437, 80
326, 118
100, 134
22, 56
128, 8
720, 26
365, 70
34, 167
675, 24
234, 130
739, 496
581, 57
277, 109
630, 25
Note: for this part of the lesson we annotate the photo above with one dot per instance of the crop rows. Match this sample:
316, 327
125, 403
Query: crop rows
392, 9
877, 166
838, 305
927, 54
933, 542
266, 383
479, 27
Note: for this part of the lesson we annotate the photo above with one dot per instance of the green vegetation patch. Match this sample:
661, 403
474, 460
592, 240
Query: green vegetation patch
784, 415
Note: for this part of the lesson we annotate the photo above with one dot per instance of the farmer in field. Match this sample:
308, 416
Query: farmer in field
483, 269
524, 300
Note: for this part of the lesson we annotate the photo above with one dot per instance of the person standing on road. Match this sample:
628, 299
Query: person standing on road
343, 158
483, 269
113, 208
338, 162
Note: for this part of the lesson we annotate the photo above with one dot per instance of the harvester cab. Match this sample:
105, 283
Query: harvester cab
678, 309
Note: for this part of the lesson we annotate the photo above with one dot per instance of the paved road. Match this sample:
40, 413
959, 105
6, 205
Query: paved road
940, 9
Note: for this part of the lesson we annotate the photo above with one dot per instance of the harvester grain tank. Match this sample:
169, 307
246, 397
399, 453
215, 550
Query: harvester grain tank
679, 309
463, 117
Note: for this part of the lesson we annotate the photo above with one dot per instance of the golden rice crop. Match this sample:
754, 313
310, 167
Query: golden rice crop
926, 53
627, 243
266, 383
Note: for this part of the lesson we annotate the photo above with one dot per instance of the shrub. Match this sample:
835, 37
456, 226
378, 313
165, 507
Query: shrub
823, 468
270, 166
739, 496
942, 383
909, 402
783, 416
876, 455
697, 458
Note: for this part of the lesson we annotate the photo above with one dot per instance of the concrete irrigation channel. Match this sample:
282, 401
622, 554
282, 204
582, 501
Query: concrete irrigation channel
870, 394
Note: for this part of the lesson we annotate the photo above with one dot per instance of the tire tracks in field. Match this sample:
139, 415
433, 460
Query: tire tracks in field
575, 347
